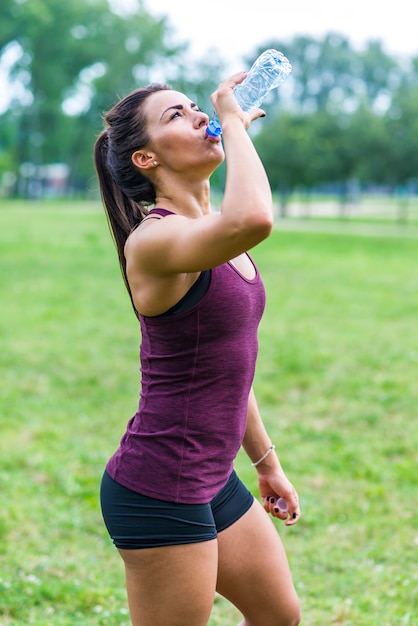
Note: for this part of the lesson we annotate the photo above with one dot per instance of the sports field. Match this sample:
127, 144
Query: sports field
337, 383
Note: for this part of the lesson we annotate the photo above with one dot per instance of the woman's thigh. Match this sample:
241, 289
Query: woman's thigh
171, 585
253, 571
170, 556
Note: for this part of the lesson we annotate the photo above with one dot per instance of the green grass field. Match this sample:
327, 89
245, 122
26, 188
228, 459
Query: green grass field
336, 382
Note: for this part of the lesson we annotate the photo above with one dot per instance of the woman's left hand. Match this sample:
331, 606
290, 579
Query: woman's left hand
274, 485
225, 104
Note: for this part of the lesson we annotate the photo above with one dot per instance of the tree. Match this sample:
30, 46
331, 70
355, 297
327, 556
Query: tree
402, 127
378, 73
339, 132
75, 59
285, 148
329, 73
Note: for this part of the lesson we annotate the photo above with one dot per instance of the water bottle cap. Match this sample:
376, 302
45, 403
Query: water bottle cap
282, 504
214, 129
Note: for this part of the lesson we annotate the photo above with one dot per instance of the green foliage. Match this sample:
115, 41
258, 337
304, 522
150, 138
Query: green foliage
403, 127
329, 73
324, 147
336, 383
343, 114
348, 117
81, 50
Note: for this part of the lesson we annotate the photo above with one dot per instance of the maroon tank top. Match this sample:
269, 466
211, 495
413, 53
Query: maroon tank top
197, 368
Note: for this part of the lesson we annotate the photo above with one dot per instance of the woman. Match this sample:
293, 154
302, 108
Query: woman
182, 521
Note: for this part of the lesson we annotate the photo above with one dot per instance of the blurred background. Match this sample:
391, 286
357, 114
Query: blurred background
343, 126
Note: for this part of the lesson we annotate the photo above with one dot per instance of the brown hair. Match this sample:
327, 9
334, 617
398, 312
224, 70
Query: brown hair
125, 191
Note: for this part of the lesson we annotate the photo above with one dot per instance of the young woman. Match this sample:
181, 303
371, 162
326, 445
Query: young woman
181, 519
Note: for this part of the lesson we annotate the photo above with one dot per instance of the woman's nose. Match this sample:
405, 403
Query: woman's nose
202, 119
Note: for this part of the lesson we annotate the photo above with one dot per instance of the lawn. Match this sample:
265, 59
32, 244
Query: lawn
336, 383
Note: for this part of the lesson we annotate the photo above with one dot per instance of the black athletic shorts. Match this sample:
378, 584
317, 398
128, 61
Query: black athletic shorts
136, 521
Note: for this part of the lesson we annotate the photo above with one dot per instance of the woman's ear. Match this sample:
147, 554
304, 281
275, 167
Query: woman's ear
143, 160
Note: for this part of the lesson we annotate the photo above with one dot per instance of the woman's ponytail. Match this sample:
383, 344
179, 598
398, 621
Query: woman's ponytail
126, 192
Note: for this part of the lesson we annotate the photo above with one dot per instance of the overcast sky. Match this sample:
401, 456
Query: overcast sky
237, 27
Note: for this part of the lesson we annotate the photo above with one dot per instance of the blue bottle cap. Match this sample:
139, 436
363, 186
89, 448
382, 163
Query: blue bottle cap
214, 129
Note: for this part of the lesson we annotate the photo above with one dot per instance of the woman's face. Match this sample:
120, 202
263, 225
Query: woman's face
177, 128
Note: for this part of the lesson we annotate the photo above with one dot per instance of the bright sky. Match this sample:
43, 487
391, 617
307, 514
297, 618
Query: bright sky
237, 27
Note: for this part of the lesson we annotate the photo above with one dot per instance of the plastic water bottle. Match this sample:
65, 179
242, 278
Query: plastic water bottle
269, 71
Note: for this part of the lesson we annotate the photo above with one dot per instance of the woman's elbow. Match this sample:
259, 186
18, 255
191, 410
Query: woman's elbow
263, 224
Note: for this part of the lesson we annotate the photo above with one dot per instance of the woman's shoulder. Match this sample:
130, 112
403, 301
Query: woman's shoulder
151, 233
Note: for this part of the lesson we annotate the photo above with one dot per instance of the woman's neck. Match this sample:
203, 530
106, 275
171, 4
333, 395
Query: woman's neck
191, 202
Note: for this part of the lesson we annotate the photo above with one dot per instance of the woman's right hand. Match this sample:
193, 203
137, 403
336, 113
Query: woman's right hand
225, 104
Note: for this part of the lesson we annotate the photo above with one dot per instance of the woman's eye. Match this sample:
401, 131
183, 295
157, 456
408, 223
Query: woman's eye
175, 114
